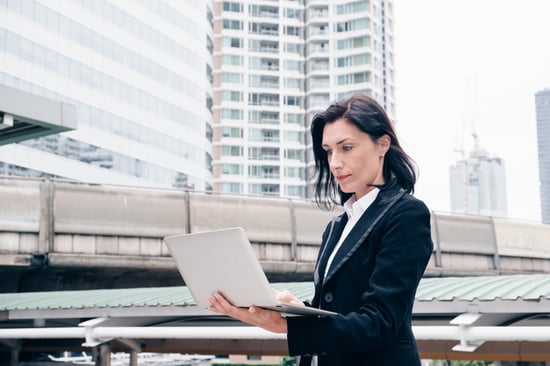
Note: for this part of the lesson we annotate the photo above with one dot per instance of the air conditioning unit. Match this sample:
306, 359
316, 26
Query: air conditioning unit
6, 121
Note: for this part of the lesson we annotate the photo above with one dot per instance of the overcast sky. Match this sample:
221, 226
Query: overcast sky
465, 66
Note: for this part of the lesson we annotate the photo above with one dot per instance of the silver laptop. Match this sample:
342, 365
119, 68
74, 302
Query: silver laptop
224, 261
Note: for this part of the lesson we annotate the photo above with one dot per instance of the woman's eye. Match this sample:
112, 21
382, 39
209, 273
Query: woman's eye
328, 152
347, 148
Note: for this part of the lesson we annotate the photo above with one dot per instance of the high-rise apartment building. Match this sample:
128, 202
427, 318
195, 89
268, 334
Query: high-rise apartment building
140, 75
277, 63
542, 102
478, 185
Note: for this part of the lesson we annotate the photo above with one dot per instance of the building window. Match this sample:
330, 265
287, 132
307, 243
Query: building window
232, 77
265, 172
232, 96
232, 60
264, 28
263, 63
263, 135
292, 48
232, 42
292, 136
356, 78
264, 188
228, 150
292, 100
232, 24
293, 191
264, 11
231, 187
353, 8
355, 60
263, 99
292, 65
234, 132
263, 46
263, 153
292, 13
263, 117
292, 83
360, 42
232, 7
292, 31
293, 154
292, 172
352, 25
232, 114
232, 169
294, 118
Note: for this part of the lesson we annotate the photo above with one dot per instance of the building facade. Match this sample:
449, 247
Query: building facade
139, 73
277, 63
542, 102
478, 185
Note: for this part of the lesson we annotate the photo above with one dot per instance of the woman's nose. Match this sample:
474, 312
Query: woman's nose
335, 161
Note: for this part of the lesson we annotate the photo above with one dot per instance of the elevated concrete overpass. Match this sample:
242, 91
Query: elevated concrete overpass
58, 235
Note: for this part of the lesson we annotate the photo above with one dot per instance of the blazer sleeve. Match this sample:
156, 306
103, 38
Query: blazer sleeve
403, 248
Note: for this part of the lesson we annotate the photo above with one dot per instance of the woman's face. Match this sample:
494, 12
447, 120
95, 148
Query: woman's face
355, 161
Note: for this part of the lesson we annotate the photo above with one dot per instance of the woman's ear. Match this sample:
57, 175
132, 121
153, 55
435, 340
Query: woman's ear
384, 143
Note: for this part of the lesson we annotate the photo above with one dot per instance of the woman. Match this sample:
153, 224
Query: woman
372, 257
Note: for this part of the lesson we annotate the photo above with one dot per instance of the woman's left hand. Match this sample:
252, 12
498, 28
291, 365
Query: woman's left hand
267, 319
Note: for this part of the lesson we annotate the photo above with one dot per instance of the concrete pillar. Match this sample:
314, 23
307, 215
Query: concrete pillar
102, 355
134, 358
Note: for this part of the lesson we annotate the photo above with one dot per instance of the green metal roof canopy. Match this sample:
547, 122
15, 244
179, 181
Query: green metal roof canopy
501, 317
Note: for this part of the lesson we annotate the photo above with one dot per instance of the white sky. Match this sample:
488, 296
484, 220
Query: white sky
467, 63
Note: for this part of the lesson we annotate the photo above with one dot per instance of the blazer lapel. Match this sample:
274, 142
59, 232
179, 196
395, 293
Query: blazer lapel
338, 225
385, 200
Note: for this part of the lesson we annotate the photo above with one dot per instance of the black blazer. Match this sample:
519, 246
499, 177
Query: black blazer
371, 284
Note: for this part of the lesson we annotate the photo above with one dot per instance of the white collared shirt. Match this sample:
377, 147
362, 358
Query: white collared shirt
354, 209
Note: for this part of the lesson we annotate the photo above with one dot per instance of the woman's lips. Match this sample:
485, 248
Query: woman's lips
342, 177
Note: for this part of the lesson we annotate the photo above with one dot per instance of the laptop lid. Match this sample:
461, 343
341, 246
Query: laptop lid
224, 261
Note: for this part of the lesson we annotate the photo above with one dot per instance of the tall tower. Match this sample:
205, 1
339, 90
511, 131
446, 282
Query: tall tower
140, 75
277, 63
478, 184
542, 102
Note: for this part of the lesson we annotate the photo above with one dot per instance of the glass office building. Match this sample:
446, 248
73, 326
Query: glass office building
277, 63
139, 73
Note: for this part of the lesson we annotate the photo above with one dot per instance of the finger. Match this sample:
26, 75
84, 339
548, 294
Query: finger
213, 305
222, 301
219, 304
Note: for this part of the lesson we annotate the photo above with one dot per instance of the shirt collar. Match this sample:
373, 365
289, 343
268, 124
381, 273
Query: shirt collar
355, 208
